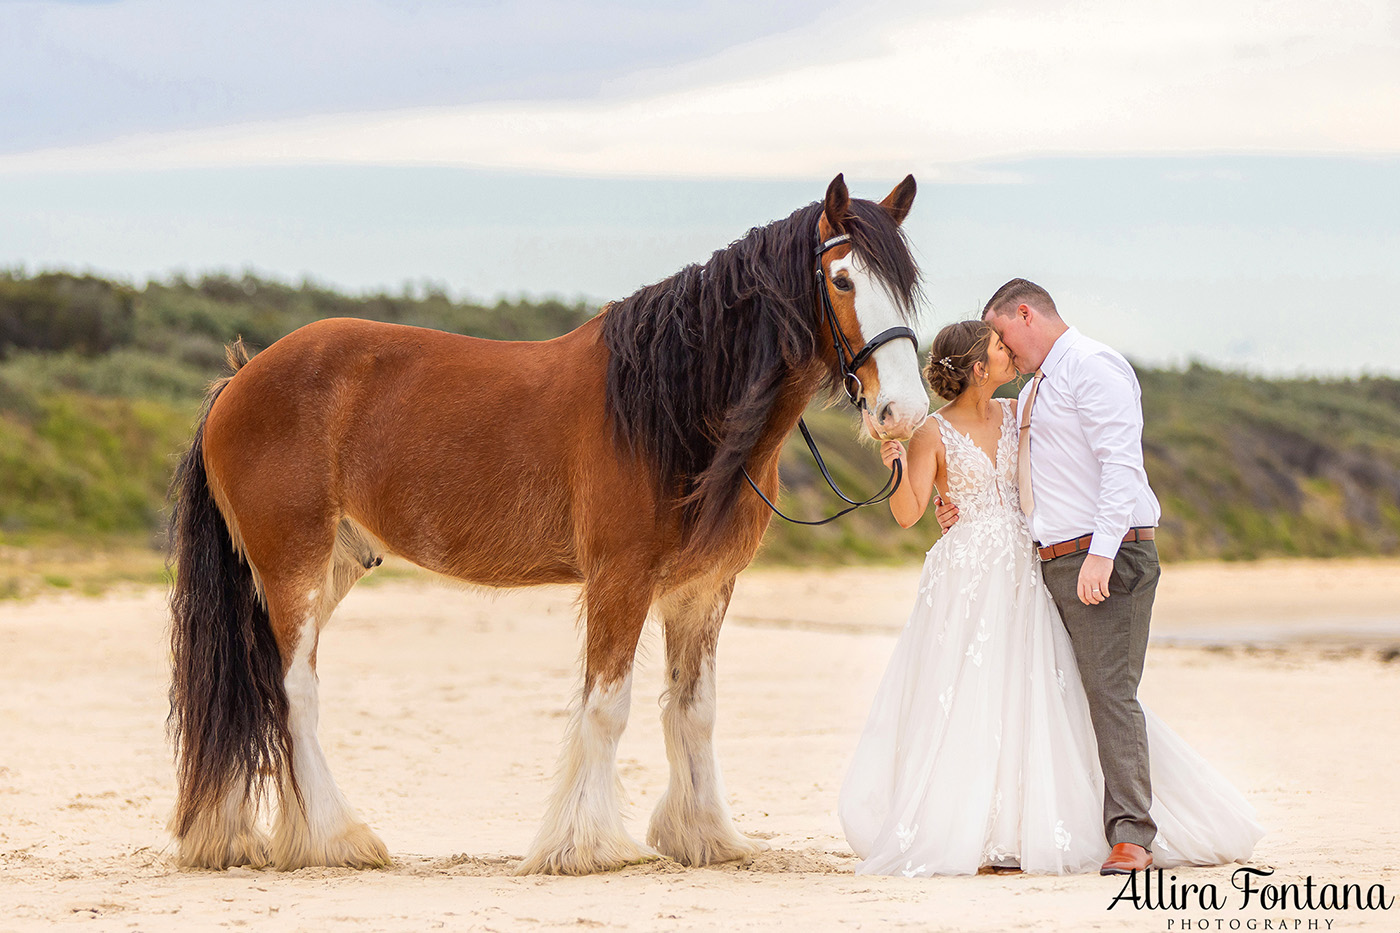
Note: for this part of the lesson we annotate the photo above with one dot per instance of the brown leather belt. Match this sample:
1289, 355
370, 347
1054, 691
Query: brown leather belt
1075, 545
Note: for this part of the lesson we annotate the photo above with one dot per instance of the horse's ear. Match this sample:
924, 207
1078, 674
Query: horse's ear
898, 201
838, 201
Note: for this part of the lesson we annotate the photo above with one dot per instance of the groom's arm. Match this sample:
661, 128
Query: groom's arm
1110, 413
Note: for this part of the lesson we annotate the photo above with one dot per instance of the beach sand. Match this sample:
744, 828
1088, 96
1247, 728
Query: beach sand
442, 712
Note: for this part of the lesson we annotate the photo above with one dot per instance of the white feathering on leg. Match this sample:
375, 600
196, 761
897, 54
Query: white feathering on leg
692, 823
582, 830
226, 838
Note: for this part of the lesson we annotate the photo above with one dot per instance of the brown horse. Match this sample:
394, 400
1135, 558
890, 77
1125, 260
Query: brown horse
611, 456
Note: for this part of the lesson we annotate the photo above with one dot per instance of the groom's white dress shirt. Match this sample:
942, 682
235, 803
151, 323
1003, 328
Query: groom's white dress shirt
1087, 474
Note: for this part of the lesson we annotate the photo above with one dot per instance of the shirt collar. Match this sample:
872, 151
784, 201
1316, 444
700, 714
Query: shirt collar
1059, 349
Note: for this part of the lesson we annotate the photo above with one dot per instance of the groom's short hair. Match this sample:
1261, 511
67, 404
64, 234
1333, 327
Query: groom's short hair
1016, 293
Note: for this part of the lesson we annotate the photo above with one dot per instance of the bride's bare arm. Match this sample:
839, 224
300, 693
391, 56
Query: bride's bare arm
925, 466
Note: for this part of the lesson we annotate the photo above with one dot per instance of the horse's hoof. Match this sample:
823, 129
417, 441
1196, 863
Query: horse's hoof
569, 860
203, 848
356, 847
696, 852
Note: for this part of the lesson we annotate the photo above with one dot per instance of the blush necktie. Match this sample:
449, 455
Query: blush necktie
1023, 451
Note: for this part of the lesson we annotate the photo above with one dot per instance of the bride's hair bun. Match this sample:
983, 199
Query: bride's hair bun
957, 348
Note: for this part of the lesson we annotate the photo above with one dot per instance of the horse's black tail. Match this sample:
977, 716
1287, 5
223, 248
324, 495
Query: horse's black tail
228, 708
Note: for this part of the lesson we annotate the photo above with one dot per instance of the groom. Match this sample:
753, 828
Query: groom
1093, 516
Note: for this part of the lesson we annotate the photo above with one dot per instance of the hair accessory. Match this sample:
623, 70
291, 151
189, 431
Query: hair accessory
946, 363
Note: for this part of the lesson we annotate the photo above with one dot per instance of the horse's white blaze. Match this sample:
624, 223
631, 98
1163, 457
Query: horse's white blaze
582, 830
897, 362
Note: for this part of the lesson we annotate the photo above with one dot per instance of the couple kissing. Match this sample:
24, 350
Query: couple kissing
1006, 732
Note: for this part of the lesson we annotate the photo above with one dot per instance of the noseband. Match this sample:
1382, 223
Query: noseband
855, 392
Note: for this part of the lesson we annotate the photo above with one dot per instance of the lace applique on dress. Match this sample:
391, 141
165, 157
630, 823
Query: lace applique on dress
990, 526
975, 482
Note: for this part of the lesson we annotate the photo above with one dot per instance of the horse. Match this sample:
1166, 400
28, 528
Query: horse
608, 457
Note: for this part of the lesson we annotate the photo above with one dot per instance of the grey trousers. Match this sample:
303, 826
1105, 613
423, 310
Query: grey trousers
1110, 644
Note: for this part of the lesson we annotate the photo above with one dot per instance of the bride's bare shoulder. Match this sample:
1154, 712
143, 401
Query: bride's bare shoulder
929, 434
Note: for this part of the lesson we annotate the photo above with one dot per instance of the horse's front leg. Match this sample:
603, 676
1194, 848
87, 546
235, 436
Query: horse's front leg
692, 823
583, 831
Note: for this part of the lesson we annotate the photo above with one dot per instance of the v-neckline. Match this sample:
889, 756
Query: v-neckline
994, 461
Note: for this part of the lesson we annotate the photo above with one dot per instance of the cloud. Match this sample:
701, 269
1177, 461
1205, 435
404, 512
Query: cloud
902, 90
78, 73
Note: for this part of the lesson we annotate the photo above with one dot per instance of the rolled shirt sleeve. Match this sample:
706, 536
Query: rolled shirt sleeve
1110, 413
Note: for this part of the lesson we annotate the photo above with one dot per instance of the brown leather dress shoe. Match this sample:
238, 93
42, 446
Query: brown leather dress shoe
1126, 857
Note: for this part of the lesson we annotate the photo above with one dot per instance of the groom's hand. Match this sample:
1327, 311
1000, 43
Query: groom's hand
945, 512
1093, 579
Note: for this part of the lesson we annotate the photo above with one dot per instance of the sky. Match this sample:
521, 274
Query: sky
1214, 181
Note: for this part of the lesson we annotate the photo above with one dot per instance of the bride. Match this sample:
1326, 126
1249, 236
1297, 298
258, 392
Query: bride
979, 749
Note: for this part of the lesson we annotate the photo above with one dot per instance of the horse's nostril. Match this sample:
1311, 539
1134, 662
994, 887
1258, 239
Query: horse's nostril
885, 412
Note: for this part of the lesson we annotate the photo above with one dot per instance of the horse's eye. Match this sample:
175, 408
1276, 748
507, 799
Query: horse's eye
842, 283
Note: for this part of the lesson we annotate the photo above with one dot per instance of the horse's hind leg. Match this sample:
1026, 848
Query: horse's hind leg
692, 823
315, 823
582, 830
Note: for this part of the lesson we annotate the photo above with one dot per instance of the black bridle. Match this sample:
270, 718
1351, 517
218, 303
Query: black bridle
849, 361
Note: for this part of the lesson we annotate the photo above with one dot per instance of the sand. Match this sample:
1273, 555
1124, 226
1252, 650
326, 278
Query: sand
442, 713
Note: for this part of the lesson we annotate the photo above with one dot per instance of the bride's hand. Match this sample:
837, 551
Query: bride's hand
891, 451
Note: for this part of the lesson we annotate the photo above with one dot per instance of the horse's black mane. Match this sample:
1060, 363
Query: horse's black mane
699, 359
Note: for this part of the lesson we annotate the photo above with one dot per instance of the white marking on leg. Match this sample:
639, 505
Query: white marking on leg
604, 719
689, 729
325, 807
582, 830
692, 822
324, 829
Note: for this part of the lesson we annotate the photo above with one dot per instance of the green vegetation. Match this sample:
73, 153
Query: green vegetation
1251, 468
100, 383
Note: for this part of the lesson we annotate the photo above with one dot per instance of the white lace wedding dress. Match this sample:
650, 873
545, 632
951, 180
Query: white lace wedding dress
979, 749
